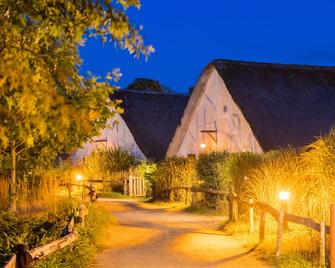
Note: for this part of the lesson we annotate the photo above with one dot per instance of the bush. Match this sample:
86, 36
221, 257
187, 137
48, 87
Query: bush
108, 163
209, 169
81, 254
174, 173
147, 171
27, 230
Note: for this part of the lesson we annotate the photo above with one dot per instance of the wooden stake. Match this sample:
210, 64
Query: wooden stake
193, 199
235, 210
124, 186
131, 186
332, 235
251, 217
280, 231
231, 208
262, 226
322, 260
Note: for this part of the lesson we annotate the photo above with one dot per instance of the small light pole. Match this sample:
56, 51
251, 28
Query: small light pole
79, 178
284, 196
203, 146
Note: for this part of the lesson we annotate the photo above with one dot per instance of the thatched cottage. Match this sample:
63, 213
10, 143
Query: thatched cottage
235, 106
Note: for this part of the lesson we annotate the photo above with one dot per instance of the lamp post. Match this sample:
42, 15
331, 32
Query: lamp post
79, 178
284, 196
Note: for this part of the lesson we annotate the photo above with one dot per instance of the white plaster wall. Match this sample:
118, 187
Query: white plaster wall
117, 136
217, 110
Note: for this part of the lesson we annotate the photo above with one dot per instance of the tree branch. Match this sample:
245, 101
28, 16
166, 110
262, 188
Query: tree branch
4, 152
17, 153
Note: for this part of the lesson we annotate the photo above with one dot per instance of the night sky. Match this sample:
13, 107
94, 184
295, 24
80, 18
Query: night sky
187, 35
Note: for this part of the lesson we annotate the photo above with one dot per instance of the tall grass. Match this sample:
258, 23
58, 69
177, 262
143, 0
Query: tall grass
171, 174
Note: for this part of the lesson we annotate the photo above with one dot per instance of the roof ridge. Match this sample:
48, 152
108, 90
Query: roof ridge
273, 64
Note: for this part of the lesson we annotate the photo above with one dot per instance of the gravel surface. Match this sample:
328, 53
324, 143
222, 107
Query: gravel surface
150, 236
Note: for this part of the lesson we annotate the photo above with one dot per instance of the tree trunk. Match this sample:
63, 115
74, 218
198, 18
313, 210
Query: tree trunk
12, 184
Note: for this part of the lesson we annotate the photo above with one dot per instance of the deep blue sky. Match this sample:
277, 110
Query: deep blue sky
187, 35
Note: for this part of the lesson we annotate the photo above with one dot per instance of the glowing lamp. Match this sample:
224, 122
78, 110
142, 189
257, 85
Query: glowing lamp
284, 196
203, 145
79, 177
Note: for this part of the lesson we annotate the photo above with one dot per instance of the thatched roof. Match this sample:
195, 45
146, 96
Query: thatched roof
152, 118
285, 105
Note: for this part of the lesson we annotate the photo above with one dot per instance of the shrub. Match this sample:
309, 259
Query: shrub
27, 230
174, 173
107, 163
81, 254
209, 169
148, 171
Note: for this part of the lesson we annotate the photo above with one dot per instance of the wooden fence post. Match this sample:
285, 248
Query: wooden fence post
193, 198
235, 211
143, 188
124, 186
23, 258
322, 255
332, 235
262, 226
280, 231
231, 208
251, 216
131, 186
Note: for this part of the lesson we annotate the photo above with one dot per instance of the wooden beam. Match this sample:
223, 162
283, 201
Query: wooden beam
52, 247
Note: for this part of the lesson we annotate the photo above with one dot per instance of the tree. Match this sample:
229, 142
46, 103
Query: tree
147, 84
46, 106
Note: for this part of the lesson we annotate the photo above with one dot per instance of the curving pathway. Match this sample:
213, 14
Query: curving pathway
156, 237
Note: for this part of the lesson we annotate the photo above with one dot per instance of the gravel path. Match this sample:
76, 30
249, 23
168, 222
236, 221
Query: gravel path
156, 237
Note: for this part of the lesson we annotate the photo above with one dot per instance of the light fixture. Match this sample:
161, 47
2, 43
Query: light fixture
79, 177
284, 196
203, 145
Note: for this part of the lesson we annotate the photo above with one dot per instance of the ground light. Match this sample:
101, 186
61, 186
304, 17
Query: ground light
79, 177
284, 196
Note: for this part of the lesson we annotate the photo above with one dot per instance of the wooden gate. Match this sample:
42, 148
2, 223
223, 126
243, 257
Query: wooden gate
134, 186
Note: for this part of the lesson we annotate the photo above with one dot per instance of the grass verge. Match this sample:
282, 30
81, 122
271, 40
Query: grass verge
82, 253
299, 249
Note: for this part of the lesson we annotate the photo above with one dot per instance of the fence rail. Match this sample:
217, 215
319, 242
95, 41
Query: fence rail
281, 216
25, 257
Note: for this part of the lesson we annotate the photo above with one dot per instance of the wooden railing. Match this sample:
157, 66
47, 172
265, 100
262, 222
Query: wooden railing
25, 258
281, 216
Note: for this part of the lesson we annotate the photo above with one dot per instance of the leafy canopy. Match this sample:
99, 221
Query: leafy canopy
45, 104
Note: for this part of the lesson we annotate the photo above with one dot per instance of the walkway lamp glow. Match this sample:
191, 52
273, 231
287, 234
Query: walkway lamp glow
284, 196
79, 177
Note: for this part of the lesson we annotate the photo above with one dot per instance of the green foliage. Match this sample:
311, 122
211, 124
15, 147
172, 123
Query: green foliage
147, 171
237, 169
47, 107
146, 84
208, 169
82, 253
33, 231
174, 173
118, 160
111, 162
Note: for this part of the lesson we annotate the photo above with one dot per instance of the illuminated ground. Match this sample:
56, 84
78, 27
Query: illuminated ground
151, 236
